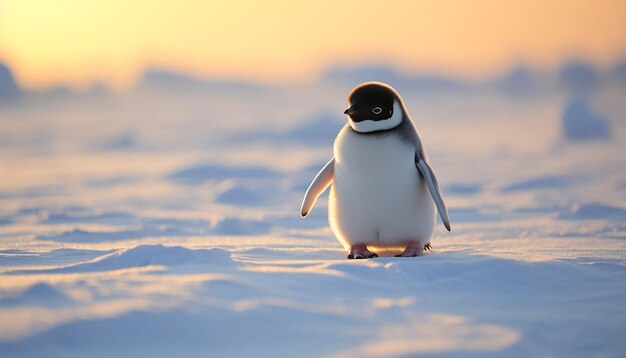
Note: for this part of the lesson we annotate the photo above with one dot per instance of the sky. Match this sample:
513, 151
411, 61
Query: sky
77, 43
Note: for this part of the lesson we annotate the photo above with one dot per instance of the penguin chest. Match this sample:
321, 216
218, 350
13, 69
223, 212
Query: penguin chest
378, 196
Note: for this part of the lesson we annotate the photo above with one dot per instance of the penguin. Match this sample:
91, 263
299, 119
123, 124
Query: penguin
383, 192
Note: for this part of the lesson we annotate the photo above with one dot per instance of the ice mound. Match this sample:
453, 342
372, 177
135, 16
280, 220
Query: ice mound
471, 214
543, 182
320, 130
580, 123
198, 174
595, 211
464, 189
520, 80
81, 215
317, 130
619, 72
124, 141
166, 80
578, 76
8, 88
241, 195
84, 236
234, 226
39, 294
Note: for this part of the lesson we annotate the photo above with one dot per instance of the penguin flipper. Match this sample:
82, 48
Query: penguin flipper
433, 187
322, 180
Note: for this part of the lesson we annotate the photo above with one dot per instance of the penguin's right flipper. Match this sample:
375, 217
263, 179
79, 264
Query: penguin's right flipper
433, 187
322, 180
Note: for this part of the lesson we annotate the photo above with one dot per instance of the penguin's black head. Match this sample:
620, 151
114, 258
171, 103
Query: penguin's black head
373, 106
370, 101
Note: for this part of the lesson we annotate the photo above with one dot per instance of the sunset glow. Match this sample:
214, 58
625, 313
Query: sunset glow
79, 42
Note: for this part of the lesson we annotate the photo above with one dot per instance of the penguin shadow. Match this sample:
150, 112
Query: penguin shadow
390, 252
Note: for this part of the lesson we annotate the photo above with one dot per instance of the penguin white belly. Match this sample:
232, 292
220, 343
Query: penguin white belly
378, 196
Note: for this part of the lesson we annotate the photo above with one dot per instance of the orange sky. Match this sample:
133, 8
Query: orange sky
78, 42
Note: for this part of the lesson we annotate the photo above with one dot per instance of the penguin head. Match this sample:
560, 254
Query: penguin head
374, 106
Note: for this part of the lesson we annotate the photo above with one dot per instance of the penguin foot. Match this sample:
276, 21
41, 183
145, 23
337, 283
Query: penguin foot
414, 249
360, 251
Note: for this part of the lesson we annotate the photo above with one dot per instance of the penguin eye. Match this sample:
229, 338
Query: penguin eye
377, 110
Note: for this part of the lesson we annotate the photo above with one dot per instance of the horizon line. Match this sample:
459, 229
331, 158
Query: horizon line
319, 74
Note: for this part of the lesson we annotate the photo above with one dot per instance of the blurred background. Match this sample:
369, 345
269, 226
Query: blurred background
216, 110
83, 44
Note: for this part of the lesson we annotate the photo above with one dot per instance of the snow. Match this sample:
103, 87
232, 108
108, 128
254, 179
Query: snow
146, 255
464, 189
39, 294
596, 211
161, 223
317, 130
198, 174
543, 182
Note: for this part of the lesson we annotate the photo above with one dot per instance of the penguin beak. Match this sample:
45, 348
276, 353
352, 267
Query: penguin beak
350, 111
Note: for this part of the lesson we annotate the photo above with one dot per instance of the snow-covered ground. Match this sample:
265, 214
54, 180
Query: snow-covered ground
158, 223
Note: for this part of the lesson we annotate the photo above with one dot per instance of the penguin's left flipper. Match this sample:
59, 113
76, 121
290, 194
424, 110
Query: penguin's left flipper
433, 187
322, 180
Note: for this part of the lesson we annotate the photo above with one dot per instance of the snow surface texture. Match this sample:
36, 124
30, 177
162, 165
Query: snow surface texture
165, 222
